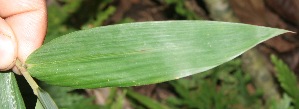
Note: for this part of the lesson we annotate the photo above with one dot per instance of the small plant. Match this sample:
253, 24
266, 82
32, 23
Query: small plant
132, 54
288, 82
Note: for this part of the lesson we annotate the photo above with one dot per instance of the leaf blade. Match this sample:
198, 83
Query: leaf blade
45, 99
10, 96
142, 53
287, 78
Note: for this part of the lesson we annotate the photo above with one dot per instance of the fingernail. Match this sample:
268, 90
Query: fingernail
7, 52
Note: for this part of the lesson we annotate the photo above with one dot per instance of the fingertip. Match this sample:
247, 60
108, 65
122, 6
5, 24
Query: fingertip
7, 52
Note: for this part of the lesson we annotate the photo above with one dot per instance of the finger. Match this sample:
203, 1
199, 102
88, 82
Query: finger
27, 19
7, 46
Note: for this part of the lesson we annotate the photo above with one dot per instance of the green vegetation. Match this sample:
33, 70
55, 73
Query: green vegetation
288, 82
224, 87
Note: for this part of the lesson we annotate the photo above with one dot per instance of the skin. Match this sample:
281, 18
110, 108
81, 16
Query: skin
22, 30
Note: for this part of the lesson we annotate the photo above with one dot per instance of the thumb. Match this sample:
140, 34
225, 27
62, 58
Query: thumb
7, 46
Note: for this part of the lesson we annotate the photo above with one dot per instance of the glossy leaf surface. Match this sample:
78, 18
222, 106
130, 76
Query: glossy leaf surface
142, 53
10, 96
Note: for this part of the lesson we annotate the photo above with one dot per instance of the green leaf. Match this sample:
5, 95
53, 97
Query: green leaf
63, 96
38, 105
284, 103
119, 101
86, 103
146, 101
287, 79
142, 53
45, 99
10, 96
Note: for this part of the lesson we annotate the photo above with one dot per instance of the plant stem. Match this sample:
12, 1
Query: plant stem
27, 76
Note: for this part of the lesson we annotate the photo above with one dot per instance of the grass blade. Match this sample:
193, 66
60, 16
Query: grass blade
146, 101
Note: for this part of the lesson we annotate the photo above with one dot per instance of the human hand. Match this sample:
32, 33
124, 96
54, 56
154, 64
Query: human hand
22, 29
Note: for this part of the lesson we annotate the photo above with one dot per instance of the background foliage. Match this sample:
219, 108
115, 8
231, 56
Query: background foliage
229, 86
